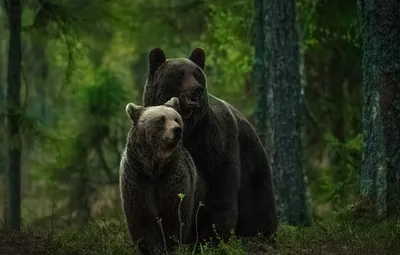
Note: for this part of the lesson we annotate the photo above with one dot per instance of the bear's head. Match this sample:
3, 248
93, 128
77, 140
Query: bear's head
157, 129
183, 78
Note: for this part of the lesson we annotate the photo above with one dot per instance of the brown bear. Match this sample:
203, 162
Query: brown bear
154, 169
224, 145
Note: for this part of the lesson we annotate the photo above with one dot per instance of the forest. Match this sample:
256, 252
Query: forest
318, 79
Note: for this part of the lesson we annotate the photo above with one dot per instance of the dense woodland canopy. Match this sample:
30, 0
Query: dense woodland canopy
318, 79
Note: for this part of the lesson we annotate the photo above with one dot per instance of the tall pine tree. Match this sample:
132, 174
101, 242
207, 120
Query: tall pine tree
380, 172
279, 116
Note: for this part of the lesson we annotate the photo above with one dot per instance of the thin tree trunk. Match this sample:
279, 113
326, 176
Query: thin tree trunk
41, 71
335, 87
13, 8
258, 71
380, 173
335, 80
282, 73
3, 104
3, 96
303, 128
81, 186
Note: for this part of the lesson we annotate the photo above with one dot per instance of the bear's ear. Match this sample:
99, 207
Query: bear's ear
134, 111
173, 103
198, 56
156, 58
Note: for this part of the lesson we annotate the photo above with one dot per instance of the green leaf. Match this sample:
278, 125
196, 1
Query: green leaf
355, 143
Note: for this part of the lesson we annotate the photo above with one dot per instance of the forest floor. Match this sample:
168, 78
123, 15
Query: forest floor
325, 237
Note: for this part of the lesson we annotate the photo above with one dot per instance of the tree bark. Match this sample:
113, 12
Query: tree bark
3, 104
381, 72
13, 8
380, 173
258, 71
3, 97
284, 137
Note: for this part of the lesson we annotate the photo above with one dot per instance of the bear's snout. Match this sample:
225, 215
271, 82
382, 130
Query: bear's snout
191, 99
177, 132
173, 131
198, 91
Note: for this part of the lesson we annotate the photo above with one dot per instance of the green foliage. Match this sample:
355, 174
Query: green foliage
67, 18
325, 22
229, 53
340, 182
95, 238
307, 16
326, 237
104, 98
341, 237
80, 148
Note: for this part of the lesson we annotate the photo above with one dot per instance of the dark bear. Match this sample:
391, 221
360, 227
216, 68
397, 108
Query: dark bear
225, 147
154, 169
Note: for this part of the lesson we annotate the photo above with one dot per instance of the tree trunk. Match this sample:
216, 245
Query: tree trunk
3, 97
41, 71
283, 81
303, 128
380, 182
258, 71
13, 115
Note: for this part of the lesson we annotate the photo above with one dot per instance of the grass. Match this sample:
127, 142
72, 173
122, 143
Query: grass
326, 237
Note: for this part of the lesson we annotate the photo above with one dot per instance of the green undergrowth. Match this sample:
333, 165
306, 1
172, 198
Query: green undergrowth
325, 237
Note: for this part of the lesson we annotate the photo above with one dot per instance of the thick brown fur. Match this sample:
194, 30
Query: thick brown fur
154, 169
223, 144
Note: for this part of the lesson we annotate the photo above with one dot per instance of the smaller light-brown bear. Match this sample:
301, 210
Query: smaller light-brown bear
154, 169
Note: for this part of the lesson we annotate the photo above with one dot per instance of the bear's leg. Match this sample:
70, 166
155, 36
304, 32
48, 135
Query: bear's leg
188, 218
257, 206
222, 194
146, 250
222, 214
257, 213
145, 233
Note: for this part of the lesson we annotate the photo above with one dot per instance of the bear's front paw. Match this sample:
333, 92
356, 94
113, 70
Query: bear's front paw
225, 223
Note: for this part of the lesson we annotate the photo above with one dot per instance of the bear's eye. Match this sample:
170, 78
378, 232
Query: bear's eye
176, 120
180, 75
161, 120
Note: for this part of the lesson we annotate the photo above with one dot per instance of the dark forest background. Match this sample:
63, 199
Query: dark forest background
68, 69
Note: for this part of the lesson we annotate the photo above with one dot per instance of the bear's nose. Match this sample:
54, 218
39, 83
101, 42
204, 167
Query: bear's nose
199, 90
178, 132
